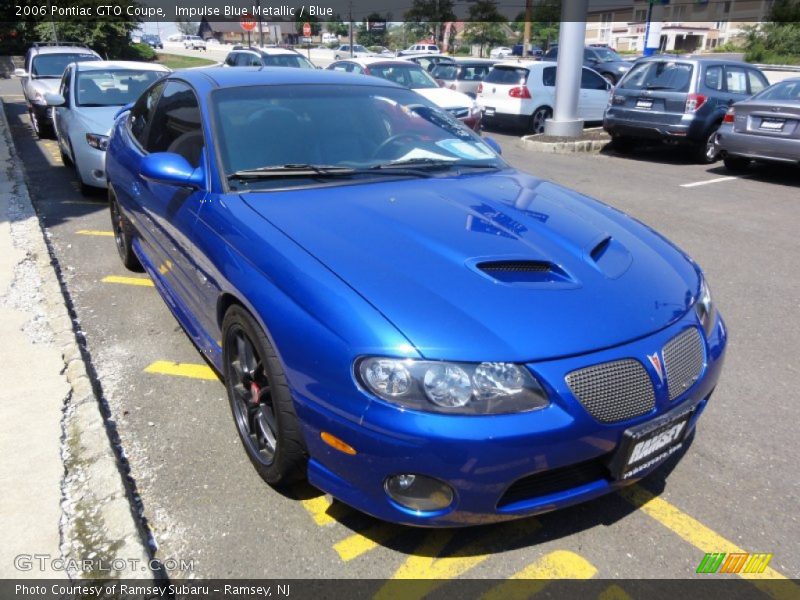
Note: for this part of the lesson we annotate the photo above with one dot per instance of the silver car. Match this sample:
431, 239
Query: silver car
464, 75
765, 127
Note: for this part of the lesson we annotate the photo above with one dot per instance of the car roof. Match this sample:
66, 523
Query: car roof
222, 77
374, 60
698, 59
271, 50
475, 61
526, 64
63, 50
432, 55
98, 65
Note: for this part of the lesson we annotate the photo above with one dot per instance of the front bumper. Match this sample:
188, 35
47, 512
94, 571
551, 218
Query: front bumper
481, 457
757, 147
91, 165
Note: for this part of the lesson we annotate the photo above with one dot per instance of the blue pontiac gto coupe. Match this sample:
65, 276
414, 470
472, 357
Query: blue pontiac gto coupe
424, 332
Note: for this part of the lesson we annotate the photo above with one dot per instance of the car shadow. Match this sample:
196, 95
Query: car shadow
771, 173
495, 538
661, 153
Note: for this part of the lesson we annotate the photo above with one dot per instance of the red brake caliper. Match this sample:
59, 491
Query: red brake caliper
255, 393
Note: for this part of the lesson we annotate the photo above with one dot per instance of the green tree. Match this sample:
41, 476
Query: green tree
187, 27
486, 25
545, 21
426, 17
110, 39
336, 26
369, 38
777, 41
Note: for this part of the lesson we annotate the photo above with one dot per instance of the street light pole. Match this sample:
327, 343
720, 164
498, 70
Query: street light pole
526, 35
260, 25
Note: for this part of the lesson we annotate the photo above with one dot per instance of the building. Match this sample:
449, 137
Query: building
686, 27
231, 32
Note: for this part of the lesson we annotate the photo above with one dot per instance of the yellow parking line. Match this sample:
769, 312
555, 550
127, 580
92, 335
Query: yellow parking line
318, 508
705, 539
360, 543
191, 370
95, 232
560, 564
128, 280
613, 592
425, 563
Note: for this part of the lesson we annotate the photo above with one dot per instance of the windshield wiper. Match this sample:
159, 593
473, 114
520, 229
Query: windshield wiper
432, 164
650, 86
318, 171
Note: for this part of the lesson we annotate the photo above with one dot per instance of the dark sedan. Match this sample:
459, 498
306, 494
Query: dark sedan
765, 127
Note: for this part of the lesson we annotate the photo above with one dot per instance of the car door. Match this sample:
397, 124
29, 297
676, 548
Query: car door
62, 115
594, 95
170, 211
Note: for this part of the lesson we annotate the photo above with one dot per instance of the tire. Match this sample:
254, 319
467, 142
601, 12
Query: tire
260, 401
610, 78
623, 144
44, 131
539, 116
737, 164
64, 158
706, 153
123, 235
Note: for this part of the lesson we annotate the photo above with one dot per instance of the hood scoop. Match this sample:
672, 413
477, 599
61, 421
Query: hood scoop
521, 271
610, 257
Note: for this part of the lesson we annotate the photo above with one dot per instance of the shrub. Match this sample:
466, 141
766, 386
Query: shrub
141, 52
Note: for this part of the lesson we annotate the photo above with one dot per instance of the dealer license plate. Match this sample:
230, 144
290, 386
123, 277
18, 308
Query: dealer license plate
646, 445
648, 104
488, 111
772, 124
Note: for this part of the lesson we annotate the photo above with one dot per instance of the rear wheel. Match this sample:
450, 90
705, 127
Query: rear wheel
260, 400
706, 153
623, 144
43, 130
123, 235
737, 164
610, 78
539, 116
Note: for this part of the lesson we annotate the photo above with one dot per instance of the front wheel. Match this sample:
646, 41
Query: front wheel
260, 400
538, 118
610, 78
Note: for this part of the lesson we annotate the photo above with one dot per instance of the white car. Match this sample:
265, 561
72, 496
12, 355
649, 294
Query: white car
500, 52
413, 76
420, 49
359, 51
194, 42
522, 94
88, 99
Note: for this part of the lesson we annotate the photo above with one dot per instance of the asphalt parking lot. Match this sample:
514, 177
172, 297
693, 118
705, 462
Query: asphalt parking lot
735, 490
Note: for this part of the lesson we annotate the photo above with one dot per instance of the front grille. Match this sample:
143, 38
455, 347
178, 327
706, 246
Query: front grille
683, 361
555, 480
613, 391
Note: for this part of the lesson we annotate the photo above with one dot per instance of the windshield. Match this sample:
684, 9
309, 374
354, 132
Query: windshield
447, 72
606, 54
289, 129
112, 87
408, 75
286, 60
507, 75
786, 90
53, 65
659, 75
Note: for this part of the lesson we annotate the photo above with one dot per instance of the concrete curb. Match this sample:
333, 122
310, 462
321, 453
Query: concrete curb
578, 146
99, 522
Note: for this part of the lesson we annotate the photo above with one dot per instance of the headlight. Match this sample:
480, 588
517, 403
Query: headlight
97, 141
453, 388
38, 98
704, 306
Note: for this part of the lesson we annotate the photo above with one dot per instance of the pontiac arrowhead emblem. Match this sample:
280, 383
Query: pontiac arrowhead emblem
656, 362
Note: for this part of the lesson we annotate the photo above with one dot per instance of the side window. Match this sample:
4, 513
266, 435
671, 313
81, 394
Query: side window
342, 67
736, 80
255, 61
757, 81
357, 69
142, 113
176, 124
242, 59
592, 81
231, 60
549, 77
713, 78
66, 84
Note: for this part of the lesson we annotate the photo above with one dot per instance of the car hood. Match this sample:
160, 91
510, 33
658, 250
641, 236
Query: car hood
445, 98
616, 64
46, 85
416, 250
97, 119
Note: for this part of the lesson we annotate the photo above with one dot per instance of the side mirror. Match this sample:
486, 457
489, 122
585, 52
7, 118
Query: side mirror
171, 169
54, 99
20, 73
492, 143
124, 109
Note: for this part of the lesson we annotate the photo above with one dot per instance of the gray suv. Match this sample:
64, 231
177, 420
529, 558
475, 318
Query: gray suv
678, 100
44, 65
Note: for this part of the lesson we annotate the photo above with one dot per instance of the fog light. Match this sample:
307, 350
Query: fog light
419, 492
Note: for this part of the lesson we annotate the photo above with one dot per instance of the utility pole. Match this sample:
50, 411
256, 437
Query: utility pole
53, 23
526, 35
350, 16
260, 24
